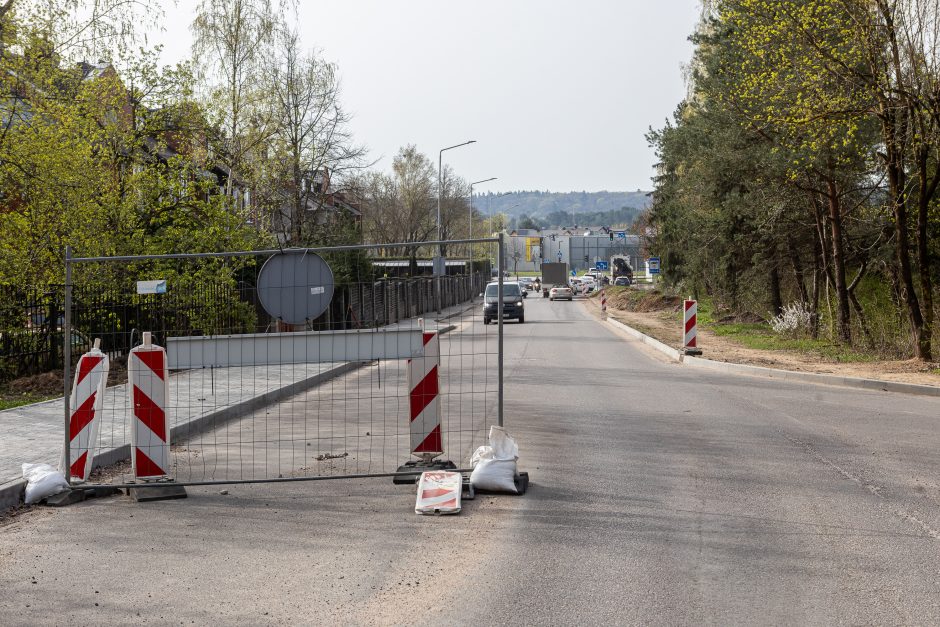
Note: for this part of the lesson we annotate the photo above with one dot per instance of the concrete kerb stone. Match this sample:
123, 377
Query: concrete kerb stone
663, 348
783, 375
12, 492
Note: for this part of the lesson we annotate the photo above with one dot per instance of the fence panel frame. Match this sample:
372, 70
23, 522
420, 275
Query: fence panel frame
71, 260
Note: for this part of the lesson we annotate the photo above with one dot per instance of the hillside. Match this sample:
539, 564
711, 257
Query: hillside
563, 208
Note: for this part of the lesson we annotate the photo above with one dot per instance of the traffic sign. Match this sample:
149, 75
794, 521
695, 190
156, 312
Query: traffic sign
620, 234
653, 264
601, 265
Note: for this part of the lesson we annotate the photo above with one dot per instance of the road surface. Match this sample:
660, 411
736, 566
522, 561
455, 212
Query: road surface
660, 495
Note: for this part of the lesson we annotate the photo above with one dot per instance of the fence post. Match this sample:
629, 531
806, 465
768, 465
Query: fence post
67, 360
499, 334
53, 323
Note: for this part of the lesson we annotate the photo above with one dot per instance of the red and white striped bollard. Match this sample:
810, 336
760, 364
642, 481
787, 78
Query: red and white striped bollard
690, 336
148, 386
86, 400
425, 401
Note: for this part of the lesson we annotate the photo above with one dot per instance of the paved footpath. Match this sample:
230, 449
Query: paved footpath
34, 433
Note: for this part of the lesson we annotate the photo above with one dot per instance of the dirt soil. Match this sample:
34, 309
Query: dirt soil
48, 385
659, 317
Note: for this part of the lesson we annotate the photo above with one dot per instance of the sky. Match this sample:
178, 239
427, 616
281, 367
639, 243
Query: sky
558, 95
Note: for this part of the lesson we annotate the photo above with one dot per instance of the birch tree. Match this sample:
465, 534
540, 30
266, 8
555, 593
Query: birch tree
310, 136
232, 42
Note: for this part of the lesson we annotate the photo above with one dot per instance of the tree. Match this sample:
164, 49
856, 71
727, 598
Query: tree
108, 168
526, 222
311, 147
836, 67
401, 207
231, 49
455, 206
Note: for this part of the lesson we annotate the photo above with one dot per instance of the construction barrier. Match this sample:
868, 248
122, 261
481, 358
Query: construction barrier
148, 387
689, 338
290, 375
85, 405
424, 394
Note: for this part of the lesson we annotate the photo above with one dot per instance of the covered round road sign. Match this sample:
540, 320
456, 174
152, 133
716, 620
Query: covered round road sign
295, 286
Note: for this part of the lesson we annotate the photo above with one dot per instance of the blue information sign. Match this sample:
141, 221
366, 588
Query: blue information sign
653, 265
620, 234
601, 265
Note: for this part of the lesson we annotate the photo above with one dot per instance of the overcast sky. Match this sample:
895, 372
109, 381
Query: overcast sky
557, 94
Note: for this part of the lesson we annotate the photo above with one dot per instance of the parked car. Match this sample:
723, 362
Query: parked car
513, 306
622, 280
560, 293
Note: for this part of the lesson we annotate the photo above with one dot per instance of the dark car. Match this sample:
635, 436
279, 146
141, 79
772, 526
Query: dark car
622, 280
513, 305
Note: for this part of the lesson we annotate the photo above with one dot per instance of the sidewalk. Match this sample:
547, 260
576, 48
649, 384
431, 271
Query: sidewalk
205, 398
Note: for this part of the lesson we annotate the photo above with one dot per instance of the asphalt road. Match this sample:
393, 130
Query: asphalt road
659, 495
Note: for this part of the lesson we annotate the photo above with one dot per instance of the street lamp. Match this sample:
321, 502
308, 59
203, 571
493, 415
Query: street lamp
440, 159
440, 233
471, 201
470, 231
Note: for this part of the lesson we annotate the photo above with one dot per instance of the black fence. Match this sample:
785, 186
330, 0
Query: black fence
32, 320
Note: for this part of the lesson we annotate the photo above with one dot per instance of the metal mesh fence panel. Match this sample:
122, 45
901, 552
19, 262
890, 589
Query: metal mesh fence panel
296, 376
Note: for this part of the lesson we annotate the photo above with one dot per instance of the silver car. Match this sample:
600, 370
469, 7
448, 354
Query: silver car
560, 293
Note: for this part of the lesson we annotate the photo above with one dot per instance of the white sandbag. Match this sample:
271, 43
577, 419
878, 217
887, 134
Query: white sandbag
494, 466
439, 492
42, 480
503, 445
495, 475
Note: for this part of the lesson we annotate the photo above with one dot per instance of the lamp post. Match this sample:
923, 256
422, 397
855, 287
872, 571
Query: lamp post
470, 230
438, 270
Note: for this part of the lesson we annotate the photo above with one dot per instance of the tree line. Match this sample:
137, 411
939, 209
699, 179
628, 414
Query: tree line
245, 145
804, 164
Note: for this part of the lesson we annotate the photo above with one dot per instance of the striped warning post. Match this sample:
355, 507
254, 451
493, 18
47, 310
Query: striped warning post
691, 310
148, 388
85, 402
603, 300
424, 394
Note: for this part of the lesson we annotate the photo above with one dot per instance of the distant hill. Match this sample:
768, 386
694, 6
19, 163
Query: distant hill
556, 208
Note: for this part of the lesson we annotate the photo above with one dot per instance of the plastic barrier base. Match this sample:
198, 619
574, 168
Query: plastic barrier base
156, 491
419, 466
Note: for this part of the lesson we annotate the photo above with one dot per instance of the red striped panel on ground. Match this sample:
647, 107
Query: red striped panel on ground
439, 492
603, 301
691, 311
86, 400
423, 377
149, 391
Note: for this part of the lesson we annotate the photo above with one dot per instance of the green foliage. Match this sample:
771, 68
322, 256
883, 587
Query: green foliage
780, 178
86, 161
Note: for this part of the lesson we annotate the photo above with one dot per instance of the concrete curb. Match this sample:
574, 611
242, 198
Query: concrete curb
663, 348
783, 375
